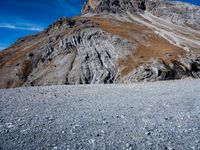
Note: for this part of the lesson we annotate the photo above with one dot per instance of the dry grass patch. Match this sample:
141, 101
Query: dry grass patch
149, 44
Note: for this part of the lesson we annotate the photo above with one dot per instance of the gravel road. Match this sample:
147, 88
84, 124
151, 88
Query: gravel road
159, 115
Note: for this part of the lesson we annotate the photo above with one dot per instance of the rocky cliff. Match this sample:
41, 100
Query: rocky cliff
112, 41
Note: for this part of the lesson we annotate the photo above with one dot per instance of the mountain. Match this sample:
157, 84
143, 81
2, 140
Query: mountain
112, 41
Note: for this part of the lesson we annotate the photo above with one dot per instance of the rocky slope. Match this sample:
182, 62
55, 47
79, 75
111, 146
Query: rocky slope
110, 117
112, 41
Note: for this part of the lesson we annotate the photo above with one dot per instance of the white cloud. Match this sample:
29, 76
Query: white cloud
1, 48
28, 27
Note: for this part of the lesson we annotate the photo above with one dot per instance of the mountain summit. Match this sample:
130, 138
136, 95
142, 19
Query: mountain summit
114, 6
112, 41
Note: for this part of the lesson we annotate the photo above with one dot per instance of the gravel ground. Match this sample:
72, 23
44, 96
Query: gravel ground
160, 115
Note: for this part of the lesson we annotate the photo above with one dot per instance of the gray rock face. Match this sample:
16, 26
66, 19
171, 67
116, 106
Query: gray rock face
112, 41
86, 56
113, 6
178, 13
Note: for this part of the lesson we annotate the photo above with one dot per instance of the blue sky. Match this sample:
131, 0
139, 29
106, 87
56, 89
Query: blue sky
196, 2
24, 17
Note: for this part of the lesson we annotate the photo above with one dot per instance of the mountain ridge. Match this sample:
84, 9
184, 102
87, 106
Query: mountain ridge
148, 41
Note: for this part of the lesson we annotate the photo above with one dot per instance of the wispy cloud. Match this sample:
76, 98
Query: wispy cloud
1, 48
27, 27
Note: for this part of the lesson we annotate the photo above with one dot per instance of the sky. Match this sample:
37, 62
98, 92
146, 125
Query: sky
24, 17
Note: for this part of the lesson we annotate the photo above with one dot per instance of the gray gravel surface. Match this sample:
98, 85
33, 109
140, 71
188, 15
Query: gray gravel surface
160, 115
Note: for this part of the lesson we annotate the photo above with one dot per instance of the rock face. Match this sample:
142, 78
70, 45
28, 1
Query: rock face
114, 6
112, 41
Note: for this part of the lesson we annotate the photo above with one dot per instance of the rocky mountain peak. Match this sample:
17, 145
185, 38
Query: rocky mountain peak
113, 6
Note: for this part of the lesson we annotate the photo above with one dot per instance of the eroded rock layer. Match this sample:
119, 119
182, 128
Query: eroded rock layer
112, 41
